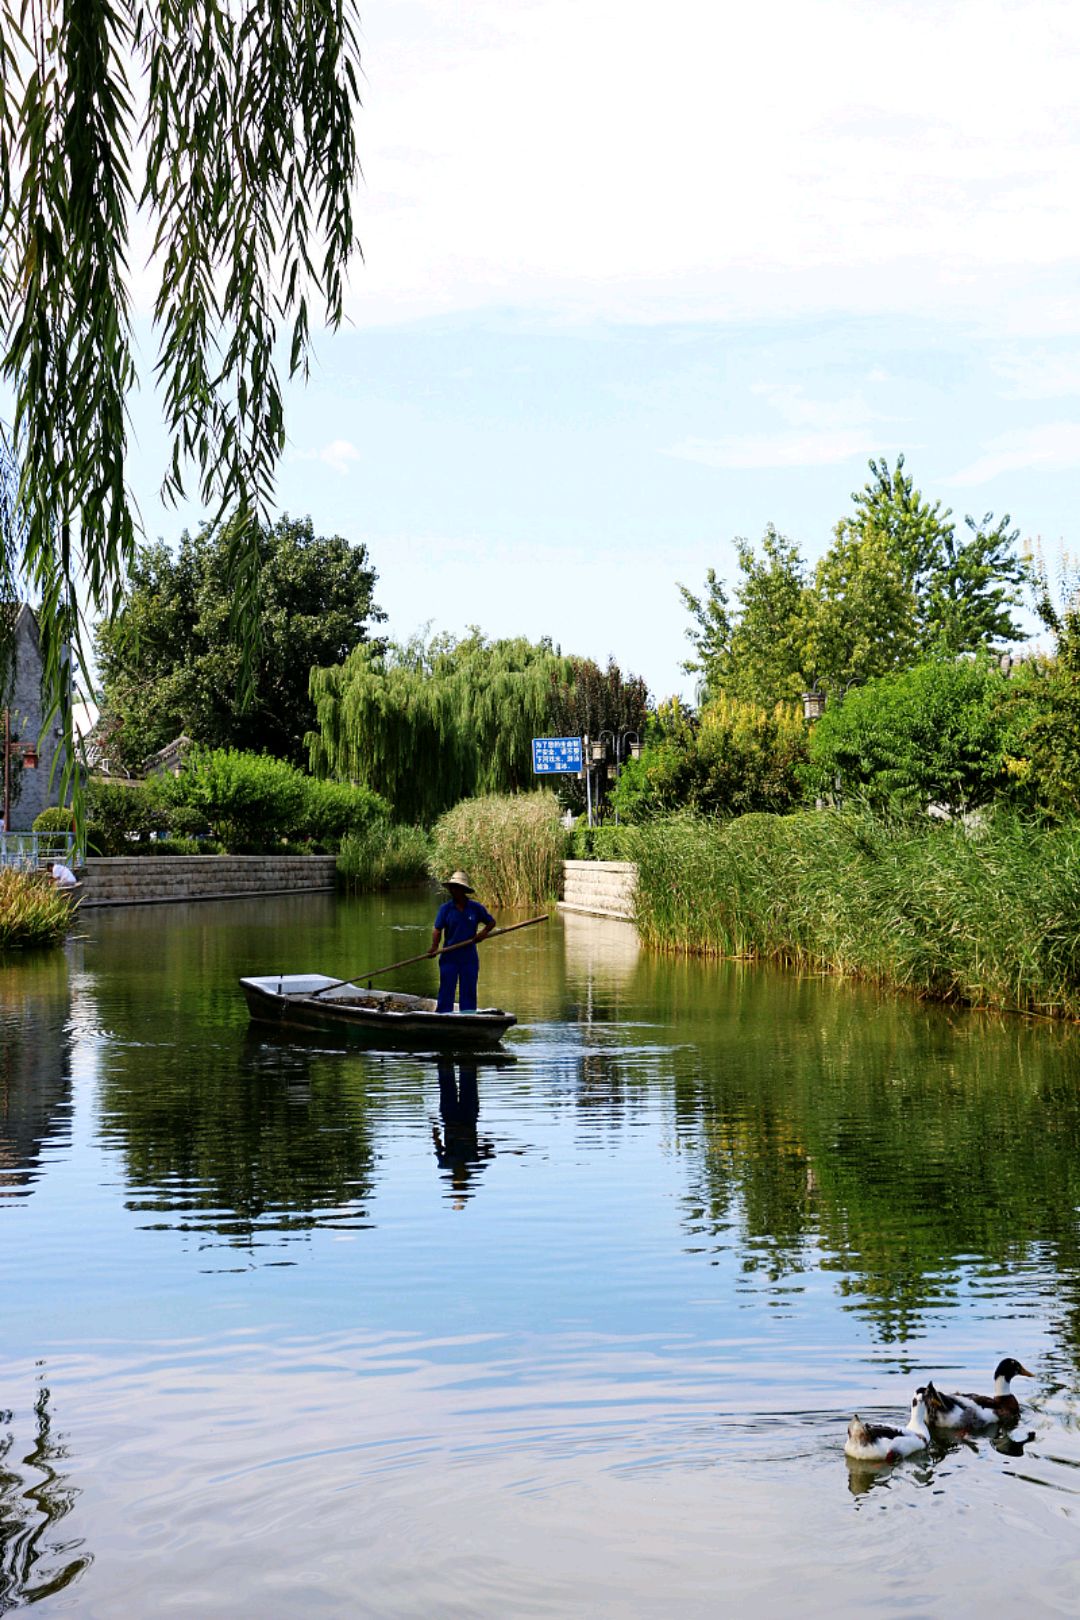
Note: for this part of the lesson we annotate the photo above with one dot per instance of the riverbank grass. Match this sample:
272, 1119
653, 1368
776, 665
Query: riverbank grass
383, 856
512, 847
32, 911
987, 916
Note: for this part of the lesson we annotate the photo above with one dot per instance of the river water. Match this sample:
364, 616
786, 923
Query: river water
288, 1332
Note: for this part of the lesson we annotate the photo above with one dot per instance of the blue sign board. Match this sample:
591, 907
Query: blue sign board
554, 756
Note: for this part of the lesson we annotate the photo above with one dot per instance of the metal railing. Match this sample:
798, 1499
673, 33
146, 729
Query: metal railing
30, 850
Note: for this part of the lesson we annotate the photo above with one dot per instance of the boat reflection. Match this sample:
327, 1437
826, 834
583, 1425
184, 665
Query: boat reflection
35, 1495
459, 1149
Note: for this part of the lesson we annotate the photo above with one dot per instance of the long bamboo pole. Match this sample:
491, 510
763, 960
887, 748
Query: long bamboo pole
428, 956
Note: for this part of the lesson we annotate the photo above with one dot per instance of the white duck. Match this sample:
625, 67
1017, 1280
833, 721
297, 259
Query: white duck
877, 1442
966, 1411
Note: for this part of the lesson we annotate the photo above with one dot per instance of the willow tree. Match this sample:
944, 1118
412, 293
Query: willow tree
427, 724
222, 131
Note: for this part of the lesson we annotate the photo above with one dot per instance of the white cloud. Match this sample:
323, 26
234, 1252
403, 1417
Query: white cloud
1041, 375
338, 454
756, 451
1054, 447
598, 160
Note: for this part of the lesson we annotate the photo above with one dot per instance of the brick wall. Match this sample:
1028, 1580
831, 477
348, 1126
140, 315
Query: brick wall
140, 880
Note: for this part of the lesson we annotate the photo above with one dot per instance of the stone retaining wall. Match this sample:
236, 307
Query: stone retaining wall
140, 880
600, 888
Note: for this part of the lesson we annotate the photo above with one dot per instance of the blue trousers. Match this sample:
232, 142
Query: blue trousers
454, 971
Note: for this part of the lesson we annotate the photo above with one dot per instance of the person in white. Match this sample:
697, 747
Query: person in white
63, 876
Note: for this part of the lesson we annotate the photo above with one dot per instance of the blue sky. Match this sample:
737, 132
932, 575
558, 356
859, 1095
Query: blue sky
637, 282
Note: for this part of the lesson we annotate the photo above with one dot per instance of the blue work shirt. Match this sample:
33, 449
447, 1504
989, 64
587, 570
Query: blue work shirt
455, 926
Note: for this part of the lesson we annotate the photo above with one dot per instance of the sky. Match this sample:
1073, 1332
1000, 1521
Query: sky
640, 280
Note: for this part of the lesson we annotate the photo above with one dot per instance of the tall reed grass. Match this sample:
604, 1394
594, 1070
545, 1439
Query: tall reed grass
32, 911
512, 847
988, 916
383, 856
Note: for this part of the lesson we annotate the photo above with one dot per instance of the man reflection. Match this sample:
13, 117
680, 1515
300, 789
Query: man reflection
458, 1149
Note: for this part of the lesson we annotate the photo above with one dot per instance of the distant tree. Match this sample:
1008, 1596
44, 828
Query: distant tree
734, 757
963, 587
170, 661
899, 583
755, 653
940, 733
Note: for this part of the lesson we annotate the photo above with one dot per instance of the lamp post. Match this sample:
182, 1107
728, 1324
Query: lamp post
614, 748
26, 752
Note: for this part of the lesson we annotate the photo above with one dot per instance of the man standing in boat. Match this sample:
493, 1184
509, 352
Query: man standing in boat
459, 919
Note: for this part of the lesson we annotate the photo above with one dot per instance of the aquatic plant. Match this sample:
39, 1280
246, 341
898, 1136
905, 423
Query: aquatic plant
383, 856
32, 912
987, 915
512, 847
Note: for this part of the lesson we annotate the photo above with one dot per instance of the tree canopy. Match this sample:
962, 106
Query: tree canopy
429, 722
898, 584
228, 130
170, 662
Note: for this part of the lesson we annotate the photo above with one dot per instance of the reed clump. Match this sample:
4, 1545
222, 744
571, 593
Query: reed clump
32, 911
987, 915
511, 845
383, 856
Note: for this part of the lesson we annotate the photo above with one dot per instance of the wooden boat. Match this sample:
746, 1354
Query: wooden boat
379, 1017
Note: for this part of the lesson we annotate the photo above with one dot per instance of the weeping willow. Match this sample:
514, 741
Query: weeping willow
226, 127
429, 724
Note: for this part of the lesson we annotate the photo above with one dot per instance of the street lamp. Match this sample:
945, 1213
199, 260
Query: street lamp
614, 748
13, 748
813, 705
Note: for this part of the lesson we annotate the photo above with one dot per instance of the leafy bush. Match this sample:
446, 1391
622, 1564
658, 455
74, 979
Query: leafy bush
941, 733
990, 917
734, 758
606, 843
253, 802
512, 847
383, 856
120, 813
32, 911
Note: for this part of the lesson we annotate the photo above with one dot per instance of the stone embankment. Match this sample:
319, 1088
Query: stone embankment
600, 888
125, 880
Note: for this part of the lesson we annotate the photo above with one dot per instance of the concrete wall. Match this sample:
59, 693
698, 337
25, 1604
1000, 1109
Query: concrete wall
600, 888
31, 790
140, 880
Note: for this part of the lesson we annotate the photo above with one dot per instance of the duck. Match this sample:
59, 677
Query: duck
966, 1411
878, 1442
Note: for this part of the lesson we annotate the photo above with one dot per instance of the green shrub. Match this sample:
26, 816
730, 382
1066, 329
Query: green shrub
119, 814
512, 847
334, 809
383, 856
734, 758
941, 733
606, 843
988, 916
32, 911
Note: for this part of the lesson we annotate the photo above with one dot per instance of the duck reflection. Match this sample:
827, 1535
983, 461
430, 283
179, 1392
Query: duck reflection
35, 1495
459, 1149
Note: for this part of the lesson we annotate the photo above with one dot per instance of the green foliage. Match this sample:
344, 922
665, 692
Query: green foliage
734, 758
897, 585
171, 661
990, 918
230, 132
384, 856
512, 847
120, 814
609, 842
32, 911
54, 819
253, 801
427, 724
941, 733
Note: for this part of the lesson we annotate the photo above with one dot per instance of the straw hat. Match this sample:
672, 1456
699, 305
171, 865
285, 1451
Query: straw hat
459, 880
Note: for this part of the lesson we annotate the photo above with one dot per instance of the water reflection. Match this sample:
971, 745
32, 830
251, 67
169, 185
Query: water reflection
35, 1067
35, 1496
459, 1149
